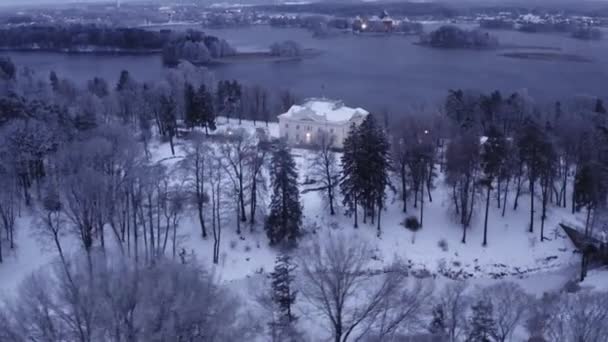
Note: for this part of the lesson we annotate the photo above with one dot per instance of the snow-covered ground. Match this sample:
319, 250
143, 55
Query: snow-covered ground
512, 253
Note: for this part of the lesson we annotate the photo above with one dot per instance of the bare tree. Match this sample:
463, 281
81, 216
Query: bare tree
286, 100
235, 153
221, 192
258, 159
462, 173
510, 303
324, 167
338, 285
579, 317
194, 166
169, 301
454, 304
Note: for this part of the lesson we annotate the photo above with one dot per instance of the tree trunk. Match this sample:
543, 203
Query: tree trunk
587, 220
531, 206
518, 189
504, 199
171, 144
379, 214
421, 207
498, 192
253, 204
242, 198
403, 188
485, 222
356, 218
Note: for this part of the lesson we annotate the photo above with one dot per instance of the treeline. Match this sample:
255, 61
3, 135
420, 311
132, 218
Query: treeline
58, 38
494, 148
193, 46
576, 30
449, 36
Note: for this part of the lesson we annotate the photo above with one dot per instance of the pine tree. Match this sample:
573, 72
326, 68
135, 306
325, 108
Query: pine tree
374, 168
285, 218
191, 107
365, 166
351, 184
123, 82
492, 157
54, 81
206, 113
482, 327
283, 292
530, 144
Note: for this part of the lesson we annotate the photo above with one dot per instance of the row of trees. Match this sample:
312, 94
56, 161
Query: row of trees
328, 283
72, 155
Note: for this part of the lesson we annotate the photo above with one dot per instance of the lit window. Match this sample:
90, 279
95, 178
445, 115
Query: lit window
308, 135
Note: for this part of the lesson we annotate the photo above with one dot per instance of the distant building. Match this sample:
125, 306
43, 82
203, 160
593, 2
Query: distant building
302, 124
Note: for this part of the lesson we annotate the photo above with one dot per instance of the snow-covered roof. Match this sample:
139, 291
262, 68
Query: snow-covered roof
324, 110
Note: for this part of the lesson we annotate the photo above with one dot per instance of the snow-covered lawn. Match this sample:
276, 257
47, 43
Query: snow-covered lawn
512, 252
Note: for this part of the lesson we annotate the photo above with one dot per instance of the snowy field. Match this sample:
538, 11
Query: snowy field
435, 251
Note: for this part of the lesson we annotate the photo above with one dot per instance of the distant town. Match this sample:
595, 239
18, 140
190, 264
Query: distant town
321, 19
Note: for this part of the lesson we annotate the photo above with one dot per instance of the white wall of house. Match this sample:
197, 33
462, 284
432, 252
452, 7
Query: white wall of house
302, 126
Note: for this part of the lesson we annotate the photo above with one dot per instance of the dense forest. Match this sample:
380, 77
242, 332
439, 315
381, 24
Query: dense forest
449, 36
79, 160
193, 46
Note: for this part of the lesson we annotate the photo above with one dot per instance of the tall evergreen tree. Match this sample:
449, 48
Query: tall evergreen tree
283, 291
54, 81
492, 158
365, 168
588, 188
530, 144
351, 183
123, 81
285, 219
191, 105
482, 327
204, 105
375, 169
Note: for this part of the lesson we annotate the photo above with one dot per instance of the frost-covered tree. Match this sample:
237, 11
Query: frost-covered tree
284, 293
194, 167
351, 184
168, 301
352, 302
510, 303
482, 327
285, 218
579, 317
454, 304
236, 150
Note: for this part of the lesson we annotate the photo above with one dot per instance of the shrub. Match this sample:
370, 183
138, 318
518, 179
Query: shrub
443, 244
412, 224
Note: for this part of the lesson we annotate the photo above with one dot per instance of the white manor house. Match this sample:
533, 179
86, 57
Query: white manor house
302, 124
